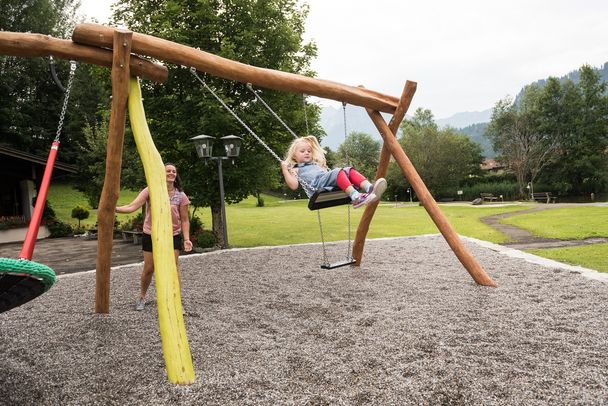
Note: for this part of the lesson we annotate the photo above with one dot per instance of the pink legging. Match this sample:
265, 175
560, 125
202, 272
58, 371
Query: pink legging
349, 177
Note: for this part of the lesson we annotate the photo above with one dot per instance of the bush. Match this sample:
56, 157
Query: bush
204, 239
80, 213
134, 223
196, 225
59, 229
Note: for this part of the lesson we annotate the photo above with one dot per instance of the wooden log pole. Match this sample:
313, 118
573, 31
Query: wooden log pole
470, 263
404, 104
111, 184
39, 45
101, 36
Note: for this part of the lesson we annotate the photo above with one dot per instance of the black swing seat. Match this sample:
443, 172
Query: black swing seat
322, 199
339, 264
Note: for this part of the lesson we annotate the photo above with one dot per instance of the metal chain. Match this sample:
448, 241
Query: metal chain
250, 87
325, 260
304, 184
348, 256
345, 134
66, 98
305, 113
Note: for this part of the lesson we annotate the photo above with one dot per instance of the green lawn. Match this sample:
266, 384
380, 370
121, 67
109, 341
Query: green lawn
569, 223
289, 222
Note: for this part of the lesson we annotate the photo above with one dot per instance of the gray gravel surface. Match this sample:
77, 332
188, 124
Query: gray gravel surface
269, 327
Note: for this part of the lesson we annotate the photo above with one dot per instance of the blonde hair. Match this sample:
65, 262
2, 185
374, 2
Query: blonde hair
318, 154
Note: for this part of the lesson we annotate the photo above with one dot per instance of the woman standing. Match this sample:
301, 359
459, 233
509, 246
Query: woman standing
181, 225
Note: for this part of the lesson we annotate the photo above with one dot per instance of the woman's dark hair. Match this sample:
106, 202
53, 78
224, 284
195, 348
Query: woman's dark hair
178, 181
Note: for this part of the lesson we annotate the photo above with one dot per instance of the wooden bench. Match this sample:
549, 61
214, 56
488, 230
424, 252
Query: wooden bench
488, 197
546, 197
134, 236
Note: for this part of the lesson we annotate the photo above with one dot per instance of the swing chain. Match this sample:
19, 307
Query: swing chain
348, 256
305, 184
305, 113
65, 100
325, 260
255, 93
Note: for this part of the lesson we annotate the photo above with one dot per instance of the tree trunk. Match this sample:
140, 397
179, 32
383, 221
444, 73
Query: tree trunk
217, 226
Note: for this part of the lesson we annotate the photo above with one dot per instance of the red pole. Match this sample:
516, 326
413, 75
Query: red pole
32, 232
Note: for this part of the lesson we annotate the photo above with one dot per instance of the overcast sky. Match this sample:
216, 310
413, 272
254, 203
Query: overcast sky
465, 55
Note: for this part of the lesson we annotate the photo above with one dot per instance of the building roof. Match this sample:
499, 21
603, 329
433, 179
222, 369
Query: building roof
26, 156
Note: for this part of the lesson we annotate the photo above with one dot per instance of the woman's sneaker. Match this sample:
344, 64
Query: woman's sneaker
364, 198
140, 304
379, 187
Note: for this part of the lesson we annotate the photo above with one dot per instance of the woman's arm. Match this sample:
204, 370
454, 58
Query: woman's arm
134, 205
290, 179
185, 220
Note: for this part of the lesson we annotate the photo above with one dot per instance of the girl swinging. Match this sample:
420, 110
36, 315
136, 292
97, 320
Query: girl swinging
305, 162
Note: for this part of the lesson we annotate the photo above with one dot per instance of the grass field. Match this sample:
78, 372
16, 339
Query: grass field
282, 222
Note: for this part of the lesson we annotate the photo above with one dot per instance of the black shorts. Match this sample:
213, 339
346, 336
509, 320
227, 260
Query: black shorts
146, 242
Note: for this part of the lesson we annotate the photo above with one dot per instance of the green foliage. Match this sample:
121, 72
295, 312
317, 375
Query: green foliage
361, 151
92, 161
204, 239
80, 213
444, 159
58, 229
266, 34
556, 134
29, 99
135, 223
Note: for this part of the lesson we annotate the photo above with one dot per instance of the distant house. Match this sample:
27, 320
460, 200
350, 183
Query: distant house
21, 174
491, 165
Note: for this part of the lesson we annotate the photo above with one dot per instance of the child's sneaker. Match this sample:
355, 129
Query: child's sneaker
379, 187
364, 198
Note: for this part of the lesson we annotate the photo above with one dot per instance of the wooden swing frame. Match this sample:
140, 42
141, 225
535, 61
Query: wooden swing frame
112, 47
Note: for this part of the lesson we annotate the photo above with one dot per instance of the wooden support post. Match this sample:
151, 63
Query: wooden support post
404, 104
35, 45
465, 257
111, 185
100, 35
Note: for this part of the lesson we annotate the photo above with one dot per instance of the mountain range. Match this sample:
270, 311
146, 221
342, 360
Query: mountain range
471, 123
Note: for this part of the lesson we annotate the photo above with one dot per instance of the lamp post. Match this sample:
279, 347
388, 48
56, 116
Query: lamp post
531, 189
204, 148
409, 191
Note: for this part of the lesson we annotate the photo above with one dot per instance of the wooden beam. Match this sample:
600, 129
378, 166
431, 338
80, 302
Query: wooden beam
111, 184
404, 104
465, 257
36, 45
101, 36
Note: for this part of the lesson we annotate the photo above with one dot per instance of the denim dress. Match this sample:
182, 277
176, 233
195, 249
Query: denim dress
316, 177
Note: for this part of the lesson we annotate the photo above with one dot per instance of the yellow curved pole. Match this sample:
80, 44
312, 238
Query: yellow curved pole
178, 360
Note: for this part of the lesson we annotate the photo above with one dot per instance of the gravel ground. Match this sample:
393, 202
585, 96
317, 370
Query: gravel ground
269, 327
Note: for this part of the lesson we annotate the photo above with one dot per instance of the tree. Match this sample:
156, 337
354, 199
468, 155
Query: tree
262, 33
361, 151
521, 139
581, 114
442, 158
30, 102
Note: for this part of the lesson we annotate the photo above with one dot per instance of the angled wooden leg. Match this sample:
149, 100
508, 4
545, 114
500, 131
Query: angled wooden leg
404, 103
465, 257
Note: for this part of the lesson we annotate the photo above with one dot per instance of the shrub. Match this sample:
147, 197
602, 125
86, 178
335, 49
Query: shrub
80, 213
204, 239
134, 223
59, 229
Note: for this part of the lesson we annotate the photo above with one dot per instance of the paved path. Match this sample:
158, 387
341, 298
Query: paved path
74, 254
522, 239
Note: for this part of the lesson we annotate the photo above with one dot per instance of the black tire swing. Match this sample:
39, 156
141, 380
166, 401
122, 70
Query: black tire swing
319, 199
22, 280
